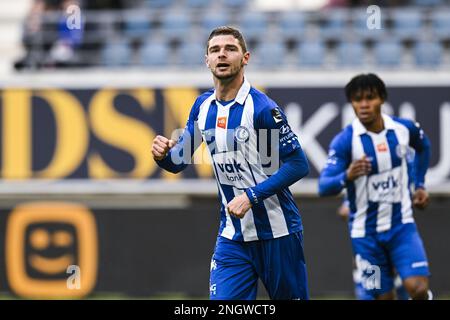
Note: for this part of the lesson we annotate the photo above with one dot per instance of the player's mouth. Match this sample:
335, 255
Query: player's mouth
365, 115
223, 66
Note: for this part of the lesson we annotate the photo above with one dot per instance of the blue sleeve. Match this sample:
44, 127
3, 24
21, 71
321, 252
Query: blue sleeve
421, 144
294, 162
180, 155
333, 176
273, 119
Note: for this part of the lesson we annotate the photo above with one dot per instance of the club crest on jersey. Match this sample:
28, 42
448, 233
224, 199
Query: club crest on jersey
241, 134
382, 147
404, 151
222, 122
276, 114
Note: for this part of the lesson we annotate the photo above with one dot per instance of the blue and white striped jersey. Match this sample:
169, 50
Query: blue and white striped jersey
235, 136
381, 199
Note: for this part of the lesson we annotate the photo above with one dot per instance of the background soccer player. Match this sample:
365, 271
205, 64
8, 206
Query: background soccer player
260, 232
370, 159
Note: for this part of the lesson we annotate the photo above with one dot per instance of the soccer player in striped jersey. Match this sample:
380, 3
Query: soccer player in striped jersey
247, 135
370, 159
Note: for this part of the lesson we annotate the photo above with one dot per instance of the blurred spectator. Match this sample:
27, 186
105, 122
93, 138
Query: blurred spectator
52, 32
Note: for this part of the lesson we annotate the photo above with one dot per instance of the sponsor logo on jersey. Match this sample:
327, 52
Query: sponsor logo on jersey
222, 122
382, 147
232, 169
386, 186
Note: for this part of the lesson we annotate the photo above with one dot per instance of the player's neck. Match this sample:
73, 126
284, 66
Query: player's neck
227, 90
375, 126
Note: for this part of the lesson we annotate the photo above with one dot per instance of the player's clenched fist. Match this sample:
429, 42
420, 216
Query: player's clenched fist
239, 206
359, 168
161, 146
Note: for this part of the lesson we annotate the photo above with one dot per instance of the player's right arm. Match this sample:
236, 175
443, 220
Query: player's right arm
175, 156
338, 169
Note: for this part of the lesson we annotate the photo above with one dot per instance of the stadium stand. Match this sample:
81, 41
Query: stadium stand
306, 37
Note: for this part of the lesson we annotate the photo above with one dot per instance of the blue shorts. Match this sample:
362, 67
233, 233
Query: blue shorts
279, 263
363, 294
376, 257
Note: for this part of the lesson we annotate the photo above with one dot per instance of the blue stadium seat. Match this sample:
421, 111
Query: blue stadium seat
116, 53
350, 54
235, 4
311, 54
388, 54
428, 53
175, 25
254, 25
360, 28
440, 23
191, 54
136, 25
292, 24
158, 4
335, 24
427, 3
198, 4
271, 54
212, 20
407, 24
154, 54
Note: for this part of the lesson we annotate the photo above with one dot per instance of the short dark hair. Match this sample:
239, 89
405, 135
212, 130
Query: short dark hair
365, 82
227, 30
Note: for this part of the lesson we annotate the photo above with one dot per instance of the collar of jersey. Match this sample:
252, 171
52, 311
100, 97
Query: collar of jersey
240, 97
228, 105
359, 129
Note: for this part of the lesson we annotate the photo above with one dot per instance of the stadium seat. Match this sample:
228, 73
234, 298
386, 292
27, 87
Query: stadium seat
428, 54
198, 4
407, 24
159, 4
440, 23
388, 54
350, 54
212, 20
116, 53
292, 25
271, 54
175, 25
191, 55
311, 54
360, 28
427, 3
154, 54
136, 25
234, 4
254, 25
335, 24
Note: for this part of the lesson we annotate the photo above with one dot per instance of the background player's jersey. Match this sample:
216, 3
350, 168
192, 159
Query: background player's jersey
381, 199
239, 156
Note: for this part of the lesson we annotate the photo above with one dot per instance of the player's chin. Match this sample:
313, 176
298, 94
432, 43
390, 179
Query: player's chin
225, 75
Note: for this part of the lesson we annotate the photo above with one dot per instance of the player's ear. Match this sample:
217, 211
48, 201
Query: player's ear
246, 58
206, 60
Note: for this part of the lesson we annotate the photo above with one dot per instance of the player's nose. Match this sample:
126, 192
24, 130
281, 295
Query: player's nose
364, 103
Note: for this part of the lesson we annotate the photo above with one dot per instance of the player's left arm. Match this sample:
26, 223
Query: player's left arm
294, 164
419, 141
